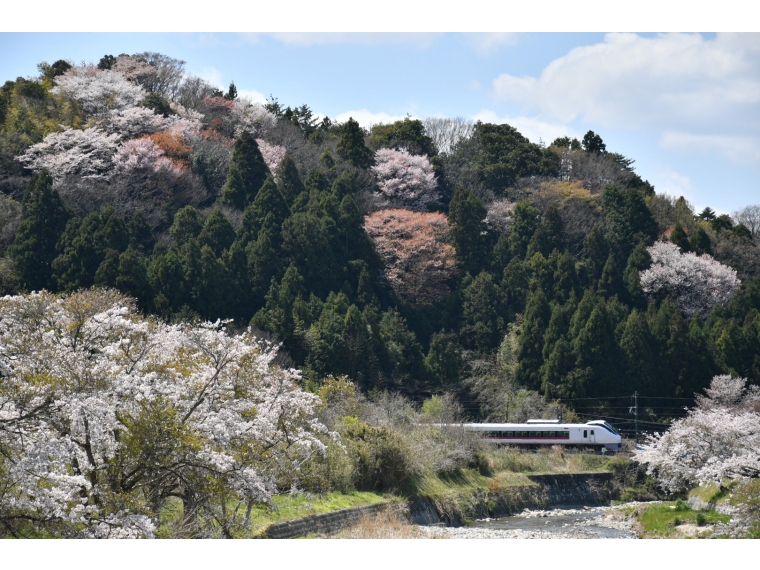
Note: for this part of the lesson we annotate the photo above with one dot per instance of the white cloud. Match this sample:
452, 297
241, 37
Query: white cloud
367, 118
739, 149
213, 76
301, 39
669, 181
488, 43
530, 127
676, 82
253, 95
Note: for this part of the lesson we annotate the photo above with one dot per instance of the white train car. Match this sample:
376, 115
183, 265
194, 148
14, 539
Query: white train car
595, 434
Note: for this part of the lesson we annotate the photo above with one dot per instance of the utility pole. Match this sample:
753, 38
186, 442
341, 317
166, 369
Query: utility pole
636, 405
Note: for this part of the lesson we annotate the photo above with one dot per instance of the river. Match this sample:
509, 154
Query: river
577, 522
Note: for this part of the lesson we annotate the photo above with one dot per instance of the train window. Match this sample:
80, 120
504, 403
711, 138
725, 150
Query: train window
585, 433
592, 432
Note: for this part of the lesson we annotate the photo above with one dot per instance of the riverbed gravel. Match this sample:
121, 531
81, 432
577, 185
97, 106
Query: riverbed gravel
585, 522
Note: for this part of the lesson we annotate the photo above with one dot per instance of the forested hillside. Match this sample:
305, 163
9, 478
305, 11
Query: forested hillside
418, 257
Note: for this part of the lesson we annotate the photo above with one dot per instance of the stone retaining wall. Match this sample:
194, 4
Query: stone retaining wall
576, 488
326, 523
564, 489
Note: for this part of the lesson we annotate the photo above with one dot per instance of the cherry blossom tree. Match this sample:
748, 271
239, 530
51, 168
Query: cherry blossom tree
405, 179
106, 414
142, 154
419, 261
272, 154
84, 153
499, 216
98, 91
134, 122
718, 440
249, 116
696, 283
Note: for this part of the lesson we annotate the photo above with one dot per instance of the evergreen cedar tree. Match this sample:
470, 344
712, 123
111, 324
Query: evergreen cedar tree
43, 221
351, 147
247, 173
291, 254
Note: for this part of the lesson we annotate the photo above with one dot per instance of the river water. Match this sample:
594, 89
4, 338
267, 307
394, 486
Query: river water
583, 522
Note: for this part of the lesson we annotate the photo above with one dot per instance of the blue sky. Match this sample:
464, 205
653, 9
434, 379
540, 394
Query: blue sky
685, 106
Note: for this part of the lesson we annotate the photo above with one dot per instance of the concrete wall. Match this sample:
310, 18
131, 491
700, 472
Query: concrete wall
326, 523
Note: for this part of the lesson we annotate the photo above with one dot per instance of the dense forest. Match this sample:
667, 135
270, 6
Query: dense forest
418, 257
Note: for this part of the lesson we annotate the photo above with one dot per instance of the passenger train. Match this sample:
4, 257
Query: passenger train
596, 434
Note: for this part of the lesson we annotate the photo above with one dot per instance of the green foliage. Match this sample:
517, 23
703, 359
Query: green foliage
593, 143
482, 326
267, 212
43, 220
217, 233
444, 362
407, 134
187, 224
468, 231
351, 147
722, 222
505, 155
106, 62
381, 459
247, 173
629, 221
663, 519
678, 236
289, 180
700, 242
83, 247
157, 104
524, 224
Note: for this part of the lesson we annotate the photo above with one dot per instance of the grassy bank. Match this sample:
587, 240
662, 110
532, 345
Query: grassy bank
675, 519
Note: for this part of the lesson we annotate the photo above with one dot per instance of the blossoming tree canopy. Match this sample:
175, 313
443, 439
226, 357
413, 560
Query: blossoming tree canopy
272, 153
718, 440
405, 179
105, 414
98, 91
85, 153
418, 258
697, 283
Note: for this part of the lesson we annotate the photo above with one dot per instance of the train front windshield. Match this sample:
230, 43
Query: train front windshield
612, 429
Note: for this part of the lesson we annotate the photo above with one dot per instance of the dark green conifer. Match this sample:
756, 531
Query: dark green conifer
700, 242
529, 355
43, 221
482, 326
187, 224
444, 361
351, 147
678, 236
217, 233
524, 223
468, 231
247, 173
289, 180
268, 211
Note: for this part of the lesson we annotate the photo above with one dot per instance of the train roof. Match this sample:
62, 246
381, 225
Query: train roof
486, 426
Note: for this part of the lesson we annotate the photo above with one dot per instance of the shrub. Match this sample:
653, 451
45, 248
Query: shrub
381, 460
